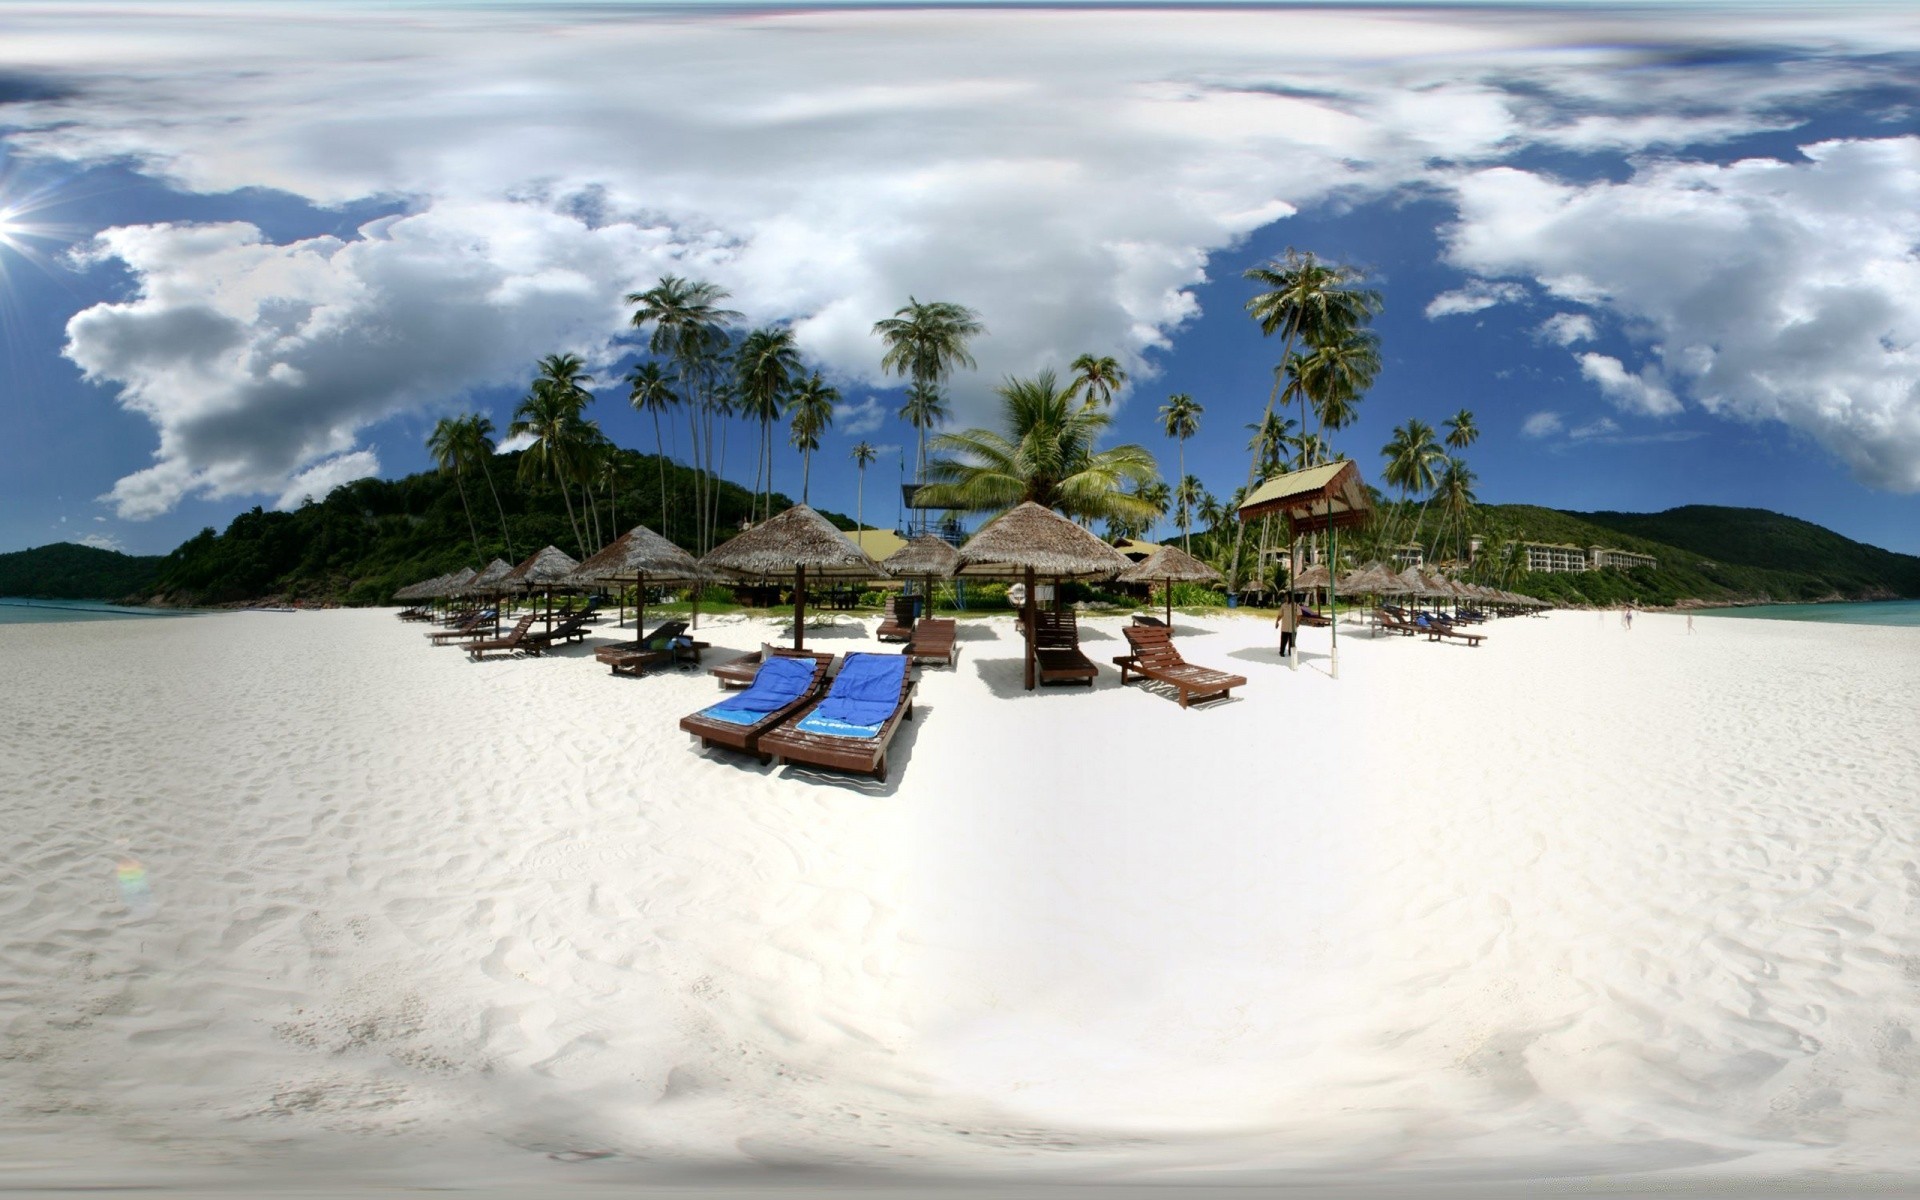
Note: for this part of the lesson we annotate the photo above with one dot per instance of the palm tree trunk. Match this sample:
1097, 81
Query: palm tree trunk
471, 531
1186, 518
660, 459
860, 501
579, 541
504, 535
806, 473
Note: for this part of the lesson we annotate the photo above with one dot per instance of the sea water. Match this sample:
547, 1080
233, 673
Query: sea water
1880, 612
15, 610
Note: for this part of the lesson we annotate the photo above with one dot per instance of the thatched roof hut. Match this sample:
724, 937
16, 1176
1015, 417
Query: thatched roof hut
1169, 565
418, 591
798, 543
1372, 579
925, 556
1030, 540
640, 557
1315, 576
547, 569
490, 581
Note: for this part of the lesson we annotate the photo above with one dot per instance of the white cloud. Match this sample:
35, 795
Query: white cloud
1066, 173
1564, 329
1645, 393
1479, 294
103, 541
513, 442
1766, 290
1542, 424
854, 420
322, 477
1600, 428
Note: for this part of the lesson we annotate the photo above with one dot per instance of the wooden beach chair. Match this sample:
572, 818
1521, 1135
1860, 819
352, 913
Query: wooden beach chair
898, 626
477, 625
849, 728
510, 644
1392, 624
573, 629
660, 646
1149, 622
1155, 657
739, 672
738, 722
1314, 619
932, 642
1056, 649
1435, 630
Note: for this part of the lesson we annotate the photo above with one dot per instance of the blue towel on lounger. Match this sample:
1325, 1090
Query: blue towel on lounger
778, 683
866, 691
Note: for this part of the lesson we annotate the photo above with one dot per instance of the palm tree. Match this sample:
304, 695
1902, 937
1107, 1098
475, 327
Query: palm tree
863, 454
447, 445
925, 342
765, 367
1097, 379
551, 416
565, 375
649, 392
1306, 301
1413, 459
1455, 493
1043, 452
1186, 502
1270, 436
1180, 417
924, 409
1336, 372
476, 439
1461, 431
690, 329
812, 408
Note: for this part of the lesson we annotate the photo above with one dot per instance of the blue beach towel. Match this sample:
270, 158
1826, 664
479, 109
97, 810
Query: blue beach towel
813, 722
778, 683
866, 691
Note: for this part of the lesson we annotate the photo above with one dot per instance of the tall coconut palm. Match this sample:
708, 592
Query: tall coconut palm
1461, 431
1186, 503
863, 453
1307, 302
649, 392
1336, 372
925, 408
924, 343
690, 330
551, 416
476, 439
565, 375
1413, 462
1043, 452
447, 444
1455, 494
765, 368
1095, 380
812, 408
1271, 435
1180, 417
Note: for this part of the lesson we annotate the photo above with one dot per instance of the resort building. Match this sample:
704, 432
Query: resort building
1561, 557
1412, 554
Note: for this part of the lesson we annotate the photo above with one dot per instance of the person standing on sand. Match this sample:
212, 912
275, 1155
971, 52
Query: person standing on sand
1289, 622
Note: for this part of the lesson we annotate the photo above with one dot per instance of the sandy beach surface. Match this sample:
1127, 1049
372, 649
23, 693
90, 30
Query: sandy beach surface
294, 903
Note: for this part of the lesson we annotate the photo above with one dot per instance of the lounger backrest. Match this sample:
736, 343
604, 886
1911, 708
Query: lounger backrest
1153, 647
903, 610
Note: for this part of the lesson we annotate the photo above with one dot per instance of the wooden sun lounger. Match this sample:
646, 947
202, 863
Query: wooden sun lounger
573, 629
1393, 624
510, 644
739, 672
1435, 630
1155, 657
898, 626
1313, 619
867, 756
1149, 622
711, 732
635, 658
933, 641
1056, 649
479, 625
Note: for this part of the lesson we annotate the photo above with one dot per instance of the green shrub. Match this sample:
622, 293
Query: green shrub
1197, 595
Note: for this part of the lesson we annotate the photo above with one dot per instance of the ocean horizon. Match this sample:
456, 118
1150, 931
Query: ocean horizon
25, 610
1863, 612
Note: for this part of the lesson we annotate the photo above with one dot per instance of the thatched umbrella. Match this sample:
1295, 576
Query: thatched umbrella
417, 591
1315, 576
639, 556
543, 571
1169, 565
925, 557
799, 540
491, 581
1028, 540
442, 586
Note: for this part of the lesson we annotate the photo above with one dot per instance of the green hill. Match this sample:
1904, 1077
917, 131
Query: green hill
65, 571
1754, 537
373, 536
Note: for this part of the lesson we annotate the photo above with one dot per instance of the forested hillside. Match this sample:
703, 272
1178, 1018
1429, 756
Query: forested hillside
65, 571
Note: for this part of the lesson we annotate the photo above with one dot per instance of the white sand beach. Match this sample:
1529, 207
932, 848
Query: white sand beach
287, 899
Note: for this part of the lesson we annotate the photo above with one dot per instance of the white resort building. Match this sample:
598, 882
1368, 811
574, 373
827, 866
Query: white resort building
1562, 557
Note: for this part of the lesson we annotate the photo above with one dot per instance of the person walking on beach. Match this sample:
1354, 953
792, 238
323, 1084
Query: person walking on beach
1626, 618
1289, 622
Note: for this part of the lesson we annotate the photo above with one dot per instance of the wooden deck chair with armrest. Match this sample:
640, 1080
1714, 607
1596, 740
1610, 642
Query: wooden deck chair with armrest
932, 642
1155, 657
510, 644
738, 721
740, 672
850, 728
898, 626
1056, 649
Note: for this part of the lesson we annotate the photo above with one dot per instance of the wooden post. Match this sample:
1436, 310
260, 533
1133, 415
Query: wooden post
800, 606
640, 609
1169, 607
1032, 633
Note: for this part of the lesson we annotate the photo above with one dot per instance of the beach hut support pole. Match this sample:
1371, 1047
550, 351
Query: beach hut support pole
639, 609
1333, 600
800, 606
1028, 616
1169, 603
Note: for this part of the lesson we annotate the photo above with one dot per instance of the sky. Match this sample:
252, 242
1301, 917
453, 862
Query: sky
1666, 254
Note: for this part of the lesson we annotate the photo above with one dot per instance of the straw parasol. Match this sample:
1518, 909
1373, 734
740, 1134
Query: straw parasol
1373, 578
1315, 576
638, 556
490, 580
1028, 540
925, 557
417, 591
543, 571
1169, 565
799, 540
